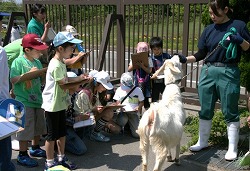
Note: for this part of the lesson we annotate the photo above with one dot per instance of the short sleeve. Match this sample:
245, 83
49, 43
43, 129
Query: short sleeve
150, 62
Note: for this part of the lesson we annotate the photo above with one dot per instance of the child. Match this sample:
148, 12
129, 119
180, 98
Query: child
29, 93
133, 104
142, 75
158, 58
79, 53
36, 26
55, 99
88, 101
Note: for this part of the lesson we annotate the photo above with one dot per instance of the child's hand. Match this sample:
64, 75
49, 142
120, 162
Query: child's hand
154, 76
140, 64
33, 69
47, 25
98, 109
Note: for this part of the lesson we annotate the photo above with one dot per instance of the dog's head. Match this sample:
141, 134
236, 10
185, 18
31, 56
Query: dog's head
172, 70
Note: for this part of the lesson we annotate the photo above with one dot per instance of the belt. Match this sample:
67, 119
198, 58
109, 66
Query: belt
220, 64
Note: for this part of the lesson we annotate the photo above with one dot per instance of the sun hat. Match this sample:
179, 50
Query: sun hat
142, 47
126, 81
71, 29
103, 78
33, 41
63, 37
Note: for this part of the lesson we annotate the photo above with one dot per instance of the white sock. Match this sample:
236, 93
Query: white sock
60, 157
50, 162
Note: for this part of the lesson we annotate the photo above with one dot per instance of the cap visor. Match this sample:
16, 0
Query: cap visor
108, 86
125, 88
75, 41
40, 47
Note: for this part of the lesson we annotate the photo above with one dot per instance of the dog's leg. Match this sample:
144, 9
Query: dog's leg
161, 154
177, 155
144, 147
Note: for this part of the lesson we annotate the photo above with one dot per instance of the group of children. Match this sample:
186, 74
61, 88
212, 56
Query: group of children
46, 106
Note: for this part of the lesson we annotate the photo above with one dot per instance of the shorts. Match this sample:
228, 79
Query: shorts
34, 124
56, 124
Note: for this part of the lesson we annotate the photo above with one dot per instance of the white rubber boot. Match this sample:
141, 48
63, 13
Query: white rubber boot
233, 139
204, 132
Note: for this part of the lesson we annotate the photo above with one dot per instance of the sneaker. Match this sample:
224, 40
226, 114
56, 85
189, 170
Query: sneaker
99, 137
55, 167
67, 163
26, 161
37, 152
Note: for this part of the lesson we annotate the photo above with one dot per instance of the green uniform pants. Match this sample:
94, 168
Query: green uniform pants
221, 83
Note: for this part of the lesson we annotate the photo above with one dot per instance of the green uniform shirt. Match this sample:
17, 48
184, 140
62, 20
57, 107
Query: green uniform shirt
28, 92
13, 50
35, 27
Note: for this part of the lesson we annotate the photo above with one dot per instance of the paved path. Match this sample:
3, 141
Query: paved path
122, 153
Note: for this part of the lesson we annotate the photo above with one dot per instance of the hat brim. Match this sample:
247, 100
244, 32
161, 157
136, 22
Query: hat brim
75, 41
125, 88
40, 47
108, 86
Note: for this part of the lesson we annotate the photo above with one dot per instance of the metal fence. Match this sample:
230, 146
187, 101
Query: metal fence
112, 29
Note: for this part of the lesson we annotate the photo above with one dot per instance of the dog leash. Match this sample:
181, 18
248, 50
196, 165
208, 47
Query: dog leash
217, 47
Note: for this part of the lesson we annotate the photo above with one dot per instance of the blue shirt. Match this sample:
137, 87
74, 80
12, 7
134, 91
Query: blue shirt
159, 60
213, 34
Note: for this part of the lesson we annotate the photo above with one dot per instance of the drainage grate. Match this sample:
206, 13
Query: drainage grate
214, 158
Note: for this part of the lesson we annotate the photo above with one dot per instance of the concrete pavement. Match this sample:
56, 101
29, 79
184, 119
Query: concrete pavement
122, 153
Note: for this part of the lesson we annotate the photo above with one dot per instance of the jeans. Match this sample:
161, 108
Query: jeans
74, 139
74, 143
5, 155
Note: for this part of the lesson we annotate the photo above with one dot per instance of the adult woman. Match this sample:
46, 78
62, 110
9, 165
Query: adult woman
87, 101
220, 76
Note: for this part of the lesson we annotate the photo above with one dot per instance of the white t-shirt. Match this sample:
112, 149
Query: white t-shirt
15, 33
54, 97
132, 101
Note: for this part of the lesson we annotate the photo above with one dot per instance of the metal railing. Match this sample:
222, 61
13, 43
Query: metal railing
112, 29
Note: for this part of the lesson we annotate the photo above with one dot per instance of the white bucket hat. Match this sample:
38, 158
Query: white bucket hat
103, 78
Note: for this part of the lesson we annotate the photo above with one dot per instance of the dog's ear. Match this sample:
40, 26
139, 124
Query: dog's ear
172, 67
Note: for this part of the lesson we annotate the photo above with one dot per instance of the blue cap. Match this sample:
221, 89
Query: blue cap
63, 37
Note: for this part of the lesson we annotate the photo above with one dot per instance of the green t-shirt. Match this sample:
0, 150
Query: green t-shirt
35, 27
54, 97
13, 50
28, 92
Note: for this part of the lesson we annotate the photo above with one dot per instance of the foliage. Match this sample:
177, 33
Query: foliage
7, 6
218, 130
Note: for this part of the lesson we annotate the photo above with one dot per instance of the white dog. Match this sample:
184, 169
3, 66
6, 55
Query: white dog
161, 125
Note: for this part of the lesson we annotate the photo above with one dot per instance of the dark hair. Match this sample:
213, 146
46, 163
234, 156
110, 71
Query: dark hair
1, 18
219, 4
155, 42
30, 48
37, 8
